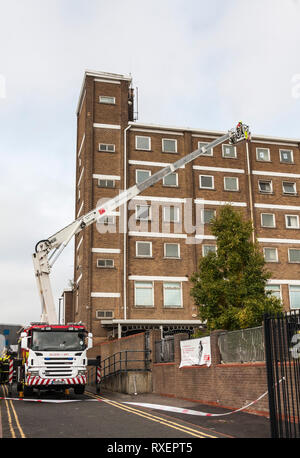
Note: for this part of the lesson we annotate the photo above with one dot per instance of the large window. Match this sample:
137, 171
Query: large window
142, 175
294, 255
207, 215
231, 184
289, 187
142, 212
144, 249
270, 254
265, 186
143, 143
58, 340
274, 290
171, 250
206, 181
294, 296
263, 154
171, 180
169, 145
268, 220
229, 151
172, 294
144, 294
171, 214
209, 152
286, 156
292, 221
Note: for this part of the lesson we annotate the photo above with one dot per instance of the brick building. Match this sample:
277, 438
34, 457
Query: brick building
131, 271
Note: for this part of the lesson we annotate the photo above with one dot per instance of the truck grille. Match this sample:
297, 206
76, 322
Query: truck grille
58, 367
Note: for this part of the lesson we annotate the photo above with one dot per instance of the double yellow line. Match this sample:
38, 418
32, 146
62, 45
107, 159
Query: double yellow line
12, 415
149, 416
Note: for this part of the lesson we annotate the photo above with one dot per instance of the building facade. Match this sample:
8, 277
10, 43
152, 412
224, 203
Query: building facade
132, 271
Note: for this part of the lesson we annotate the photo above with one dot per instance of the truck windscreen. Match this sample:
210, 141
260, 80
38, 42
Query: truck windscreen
58, 340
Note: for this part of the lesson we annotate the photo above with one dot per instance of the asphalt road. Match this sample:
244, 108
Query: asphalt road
108, 416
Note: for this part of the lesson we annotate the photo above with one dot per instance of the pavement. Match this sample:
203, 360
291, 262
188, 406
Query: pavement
234, 425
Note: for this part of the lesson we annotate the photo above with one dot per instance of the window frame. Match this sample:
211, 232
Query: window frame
289, 260
106, 150
165, 251
281, 150
274, 219
232, 190
202, 214
205, 144
141, 170
171, 185
289, 193
223, 151
181, 295
143, 255
142, 149
263, 160
169, 139
291, 227
177, 211
265, 181
135, 290
210, 245
207, 176
113, 102
279, 290
106, 180
297, 286
105, 266
270, 248
149, 213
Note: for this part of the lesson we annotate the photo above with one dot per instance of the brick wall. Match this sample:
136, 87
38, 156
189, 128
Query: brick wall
225, 385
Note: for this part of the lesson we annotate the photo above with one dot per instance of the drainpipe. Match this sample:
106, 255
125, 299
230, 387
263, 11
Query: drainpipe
125, 227
250, 190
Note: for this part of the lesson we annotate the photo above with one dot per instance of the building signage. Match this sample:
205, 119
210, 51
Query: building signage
195, 352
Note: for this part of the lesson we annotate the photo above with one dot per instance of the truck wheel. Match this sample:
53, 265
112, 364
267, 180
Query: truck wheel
79, 389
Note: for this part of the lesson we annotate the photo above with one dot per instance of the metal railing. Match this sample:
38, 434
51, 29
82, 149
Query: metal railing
122, 361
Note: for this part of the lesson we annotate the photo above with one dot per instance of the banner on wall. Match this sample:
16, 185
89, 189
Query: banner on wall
195, 352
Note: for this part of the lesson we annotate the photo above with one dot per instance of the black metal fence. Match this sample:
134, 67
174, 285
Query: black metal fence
282, 347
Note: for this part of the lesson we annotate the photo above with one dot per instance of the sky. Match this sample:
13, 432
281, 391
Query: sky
196, 64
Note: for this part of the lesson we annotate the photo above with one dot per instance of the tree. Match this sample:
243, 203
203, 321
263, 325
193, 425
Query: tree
229, 286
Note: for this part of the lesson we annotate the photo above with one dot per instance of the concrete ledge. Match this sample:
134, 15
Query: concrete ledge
130, 382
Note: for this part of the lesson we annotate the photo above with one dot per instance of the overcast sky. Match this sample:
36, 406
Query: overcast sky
197, 63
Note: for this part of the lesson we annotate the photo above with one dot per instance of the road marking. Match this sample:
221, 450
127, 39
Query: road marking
149, 416
10, 403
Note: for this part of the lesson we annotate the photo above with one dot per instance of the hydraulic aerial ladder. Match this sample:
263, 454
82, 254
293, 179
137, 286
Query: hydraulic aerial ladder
47, 251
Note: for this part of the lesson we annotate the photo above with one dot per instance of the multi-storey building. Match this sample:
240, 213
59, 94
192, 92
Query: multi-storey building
132, 271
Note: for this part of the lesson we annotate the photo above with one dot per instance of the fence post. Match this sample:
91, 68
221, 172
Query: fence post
216, 357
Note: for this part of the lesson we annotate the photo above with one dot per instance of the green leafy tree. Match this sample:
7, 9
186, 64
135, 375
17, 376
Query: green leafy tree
229, 286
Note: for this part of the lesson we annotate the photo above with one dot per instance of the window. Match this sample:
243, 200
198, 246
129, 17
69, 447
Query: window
143, 249
263, 154
294, 296
106, 183
268, 220
274, 290
207, 215
208, 152
289, 187
229, 151
231, 184
294, 255
171, 214
142, 175
206, 182
105, 263
286, 156
107, 99
143, 143
104, 314
271, 254
208, 249
143, 294
171, 250
292, 221
172, 294
171, 180
265, 187
169, 145
142, 212
106, 147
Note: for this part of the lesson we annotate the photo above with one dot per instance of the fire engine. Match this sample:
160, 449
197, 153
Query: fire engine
54, 356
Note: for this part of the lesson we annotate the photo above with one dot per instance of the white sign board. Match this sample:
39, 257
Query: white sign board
195, 352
